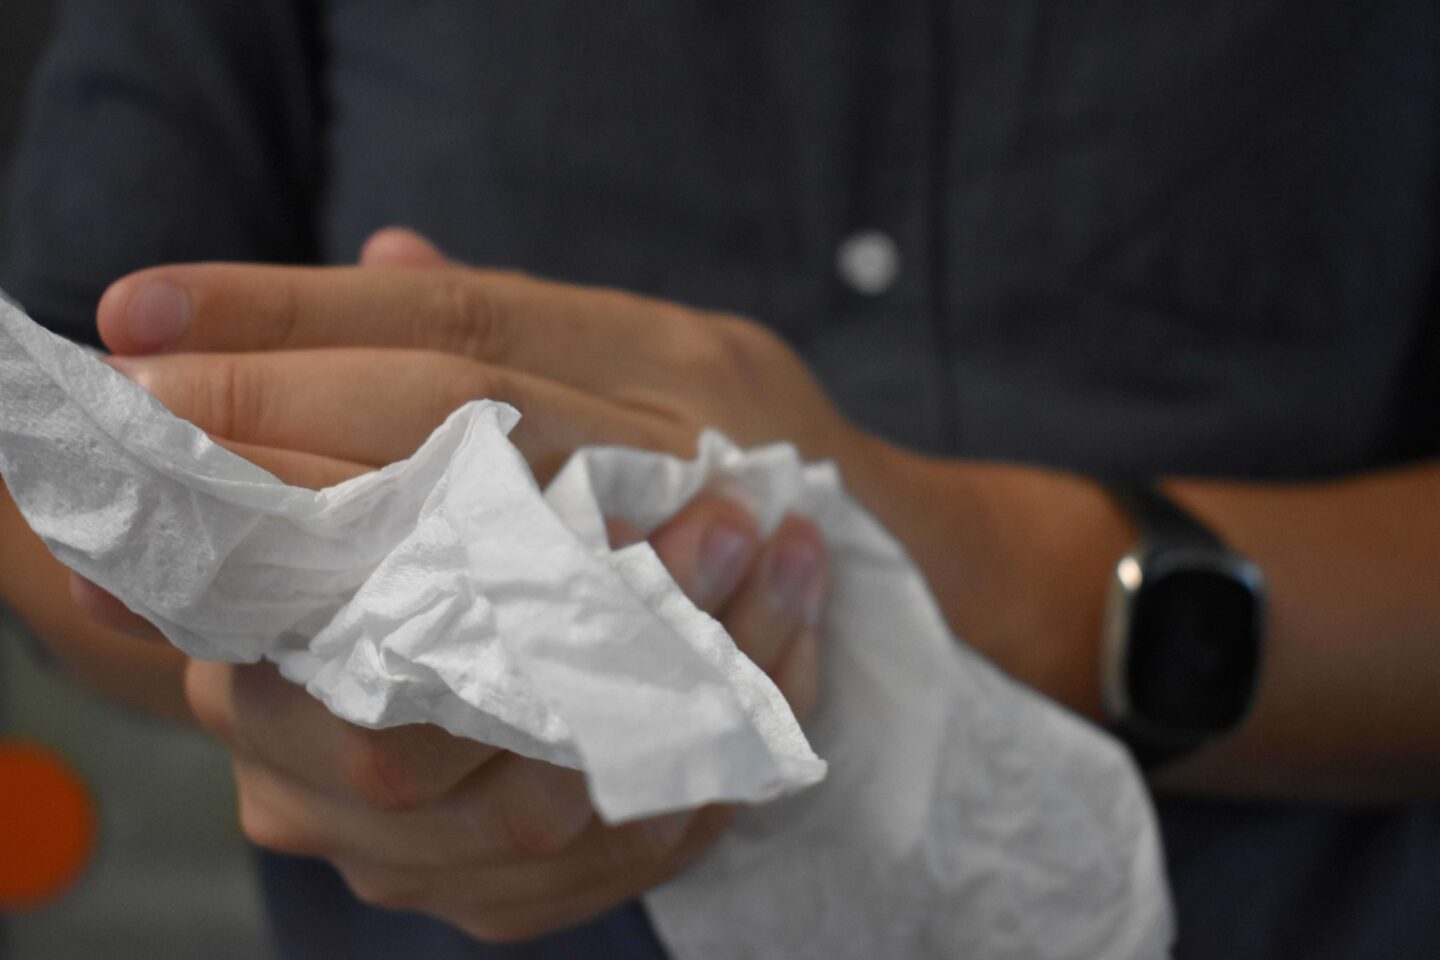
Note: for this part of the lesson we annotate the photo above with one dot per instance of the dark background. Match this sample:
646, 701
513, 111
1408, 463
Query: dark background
24, 25
171, 877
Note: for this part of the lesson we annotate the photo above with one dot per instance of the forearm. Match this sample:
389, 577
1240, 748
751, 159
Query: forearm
1349, 702
1349, 705
1018, 559
145, 676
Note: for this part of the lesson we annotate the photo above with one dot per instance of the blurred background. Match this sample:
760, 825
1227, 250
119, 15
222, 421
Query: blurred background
24, 24
172, 878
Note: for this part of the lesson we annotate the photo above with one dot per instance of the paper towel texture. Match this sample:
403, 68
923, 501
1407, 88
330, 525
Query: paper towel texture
963, 816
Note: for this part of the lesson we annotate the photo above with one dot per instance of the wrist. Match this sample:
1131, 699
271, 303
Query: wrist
1063, 536
1020, 559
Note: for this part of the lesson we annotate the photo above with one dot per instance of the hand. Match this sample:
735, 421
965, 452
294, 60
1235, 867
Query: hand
410, 816
583, 365
502, 846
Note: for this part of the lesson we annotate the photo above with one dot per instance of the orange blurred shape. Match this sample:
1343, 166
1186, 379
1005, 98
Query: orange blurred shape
47, 826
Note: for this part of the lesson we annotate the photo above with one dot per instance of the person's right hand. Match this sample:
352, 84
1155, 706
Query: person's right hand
502, 846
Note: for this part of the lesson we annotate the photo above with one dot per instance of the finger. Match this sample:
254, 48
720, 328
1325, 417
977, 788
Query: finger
599, 886
513, 809
503, 317
265, 718
401, 247
522, 899
295, 467
547, 329
798, 672
292, 467
708, 547
109, 611
326, 402
783, 594
622, 533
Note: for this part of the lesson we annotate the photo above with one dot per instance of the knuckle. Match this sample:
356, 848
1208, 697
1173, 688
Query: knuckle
476, 383
719, 350
264, 829
381, 774
466, 315
252, 695
693, 345
453, 381
280, 308
255, 688
748, 348
383, 889
711, 823
503, 927
749, 335
634, 845
201, 395
665, 436
228, 401
210, 709
255, 823
525, 832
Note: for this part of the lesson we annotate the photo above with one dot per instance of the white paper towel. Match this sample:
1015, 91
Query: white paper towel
963, 816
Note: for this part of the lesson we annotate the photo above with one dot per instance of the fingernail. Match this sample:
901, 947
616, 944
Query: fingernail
793, 575
157, 315
669, 830
724, 556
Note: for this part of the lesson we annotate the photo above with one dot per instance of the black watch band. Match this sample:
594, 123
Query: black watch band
1174, 548
1159, 520
1150, 752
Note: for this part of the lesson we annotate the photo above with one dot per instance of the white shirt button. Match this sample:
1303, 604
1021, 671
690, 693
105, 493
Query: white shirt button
868, 262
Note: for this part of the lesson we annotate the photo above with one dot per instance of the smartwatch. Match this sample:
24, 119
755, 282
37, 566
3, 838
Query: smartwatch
1183, 632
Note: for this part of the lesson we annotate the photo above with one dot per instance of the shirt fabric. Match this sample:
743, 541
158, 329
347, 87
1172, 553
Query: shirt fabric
1131, 238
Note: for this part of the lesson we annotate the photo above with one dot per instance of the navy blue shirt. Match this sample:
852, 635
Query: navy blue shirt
1190, 238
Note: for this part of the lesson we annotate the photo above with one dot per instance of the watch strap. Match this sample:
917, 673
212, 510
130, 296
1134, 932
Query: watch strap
1160, 522
1159, 519
1150, 752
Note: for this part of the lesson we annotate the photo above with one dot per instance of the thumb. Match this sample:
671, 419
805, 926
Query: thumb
400, 247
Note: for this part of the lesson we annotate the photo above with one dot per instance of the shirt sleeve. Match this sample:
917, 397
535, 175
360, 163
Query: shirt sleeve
162, 131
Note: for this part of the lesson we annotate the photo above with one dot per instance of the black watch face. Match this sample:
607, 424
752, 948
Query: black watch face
1194, 650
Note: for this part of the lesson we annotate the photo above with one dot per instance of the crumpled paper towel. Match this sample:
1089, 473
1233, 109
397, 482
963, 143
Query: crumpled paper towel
963, 815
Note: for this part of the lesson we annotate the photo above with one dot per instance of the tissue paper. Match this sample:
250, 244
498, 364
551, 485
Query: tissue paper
439, 589
963, 816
